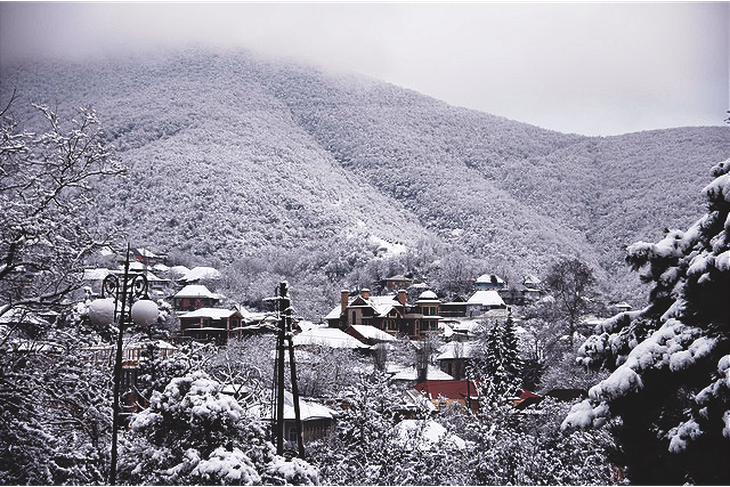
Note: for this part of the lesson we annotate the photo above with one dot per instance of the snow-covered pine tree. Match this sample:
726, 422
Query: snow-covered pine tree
671, 361
498, 367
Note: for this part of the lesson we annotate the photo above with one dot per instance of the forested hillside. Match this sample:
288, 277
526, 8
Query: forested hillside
233, 157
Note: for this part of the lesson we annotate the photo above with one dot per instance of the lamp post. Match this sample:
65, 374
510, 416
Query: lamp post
123, 311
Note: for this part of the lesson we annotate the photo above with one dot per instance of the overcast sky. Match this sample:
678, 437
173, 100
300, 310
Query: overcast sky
589, 68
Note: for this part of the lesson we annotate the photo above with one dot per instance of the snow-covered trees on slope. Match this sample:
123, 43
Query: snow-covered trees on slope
284, 157
671, 360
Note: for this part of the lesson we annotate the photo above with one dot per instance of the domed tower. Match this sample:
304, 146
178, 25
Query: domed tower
429, 307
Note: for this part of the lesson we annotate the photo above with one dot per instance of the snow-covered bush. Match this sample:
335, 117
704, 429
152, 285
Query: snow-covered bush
192, 433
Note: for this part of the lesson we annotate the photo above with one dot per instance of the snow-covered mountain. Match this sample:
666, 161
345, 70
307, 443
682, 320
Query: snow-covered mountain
233, 156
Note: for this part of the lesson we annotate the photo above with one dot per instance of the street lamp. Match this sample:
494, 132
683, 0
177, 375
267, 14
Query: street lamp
130, 304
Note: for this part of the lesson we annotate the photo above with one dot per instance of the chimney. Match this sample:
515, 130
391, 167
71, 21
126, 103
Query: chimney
344, 300
365, 293
402, 297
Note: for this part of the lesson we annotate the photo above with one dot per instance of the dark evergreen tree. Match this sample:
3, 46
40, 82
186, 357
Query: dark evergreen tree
498, 366
671, 361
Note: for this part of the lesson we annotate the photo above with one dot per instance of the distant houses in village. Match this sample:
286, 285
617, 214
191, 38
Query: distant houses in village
362, 321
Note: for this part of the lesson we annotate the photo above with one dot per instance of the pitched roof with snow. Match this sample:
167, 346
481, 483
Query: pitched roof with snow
327, 337
382, 305
486, 298
198, 273
454, 350
428, 296
370, 332
308, 410
411, 374
195, 291
490, 279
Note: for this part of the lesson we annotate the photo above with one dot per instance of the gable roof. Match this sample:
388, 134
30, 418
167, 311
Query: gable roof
450, 389
327, 337
308, 410
370, 332
490, 279
381, 305
486, 298
195, 291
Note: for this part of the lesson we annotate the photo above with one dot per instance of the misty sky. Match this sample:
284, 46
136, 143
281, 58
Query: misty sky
589, 68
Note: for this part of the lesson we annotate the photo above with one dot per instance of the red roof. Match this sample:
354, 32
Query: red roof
450, 389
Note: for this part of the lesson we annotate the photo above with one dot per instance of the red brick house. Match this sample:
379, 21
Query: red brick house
391, 313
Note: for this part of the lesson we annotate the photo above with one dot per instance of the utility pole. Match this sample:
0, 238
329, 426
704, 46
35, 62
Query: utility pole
283, 343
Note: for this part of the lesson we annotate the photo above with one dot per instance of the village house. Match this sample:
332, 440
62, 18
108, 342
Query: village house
397, 282
211, 324
194, 296
490, 282
94, 278
317, 420
446, 393
454, 357
134, 353
482, 301
392, 313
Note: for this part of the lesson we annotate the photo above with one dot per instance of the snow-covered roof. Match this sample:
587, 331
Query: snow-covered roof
486, 298
195, 291
454, 350
490, 278
308, 410
382, 305
214, 313
146, 253
427, 296
469, 326
327, 337
20, 315
370, 332
402, 373
96, 274
335, 313
179, 271
531, 281
135, 266
425, 434
198, 273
